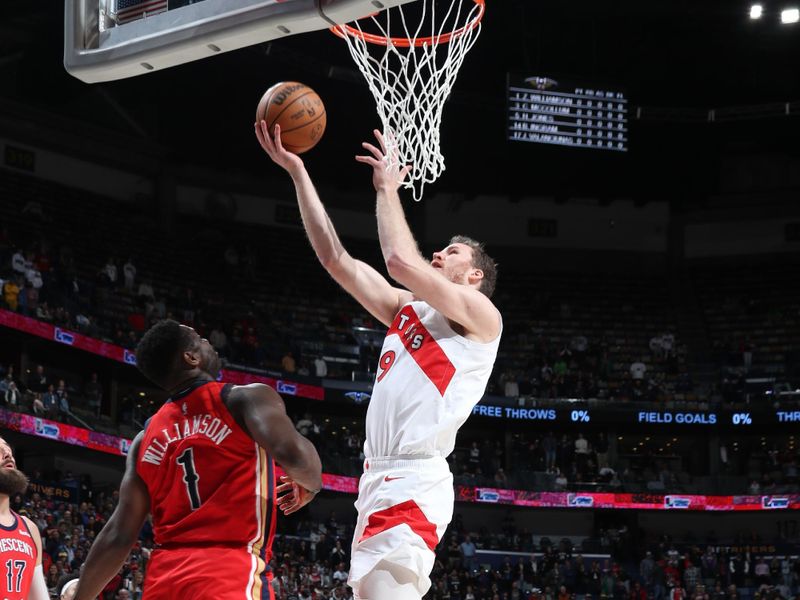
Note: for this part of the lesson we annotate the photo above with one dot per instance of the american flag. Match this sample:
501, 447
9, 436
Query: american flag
130, 10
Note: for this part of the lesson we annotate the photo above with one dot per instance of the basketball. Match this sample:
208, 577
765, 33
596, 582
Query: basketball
298, 110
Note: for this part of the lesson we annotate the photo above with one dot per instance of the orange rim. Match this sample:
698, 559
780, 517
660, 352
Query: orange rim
404, 42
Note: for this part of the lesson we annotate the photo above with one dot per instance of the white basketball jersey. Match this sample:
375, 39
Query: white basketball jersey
427, 381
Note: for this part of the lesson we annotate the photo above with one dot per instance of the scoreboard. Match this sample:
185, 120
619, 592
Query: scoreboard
545, 111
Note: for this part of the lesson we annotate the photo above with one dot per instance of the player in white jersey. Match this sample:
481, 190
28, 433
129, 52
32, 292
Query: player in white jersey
434, 366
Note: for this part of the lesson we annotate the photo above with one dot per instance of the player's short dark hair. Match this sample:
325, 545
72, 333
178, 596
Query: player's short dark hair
482, 261
159, 351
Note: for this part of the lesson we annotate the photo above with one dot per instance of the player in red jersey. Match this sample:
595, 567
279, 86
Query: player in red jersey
21, 576
203, 467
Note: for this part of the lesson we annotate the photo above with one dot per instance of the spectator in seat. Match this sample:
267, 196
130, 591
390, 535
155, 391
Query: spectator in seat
129, 274
108, 274
145, 292
305, 425
320, 367
561, 480
340, 574
668, 345
469, 559
38, 382
50, 402
43, 312
500, 479
62, 397
11, 293
18, 263
34, 277
219, 340
579, 344
31, 293
638, 369
288, 363
94, 394
657, 347
38, 407
511, 387
12, 396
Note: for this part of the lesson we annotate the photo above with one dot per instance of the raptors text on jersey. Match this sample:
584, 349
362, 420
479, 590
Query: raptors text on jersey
427, 381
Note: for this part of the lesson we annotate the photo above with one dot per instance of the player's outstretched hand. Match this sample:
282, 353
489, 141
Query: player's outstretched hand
386, 173
273, 147
295, 496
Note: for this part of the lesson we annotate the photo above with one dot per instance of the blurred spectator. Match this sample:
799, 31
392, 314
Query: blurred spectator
50, 402
108, 274
219, 340
62, 397
288, 363
38, 407
320, 367
657, 347
12, 396
18, 263
31, 294
469, 555
305, 425
668, 345
511, 387
43, 312
37, 381
129, 273
94, 394
11, 293
637, 370
145, 292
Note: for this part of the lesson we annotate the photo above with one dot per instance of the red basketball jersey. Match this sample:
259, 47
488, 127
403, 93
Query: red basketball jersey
17, 560
211, 488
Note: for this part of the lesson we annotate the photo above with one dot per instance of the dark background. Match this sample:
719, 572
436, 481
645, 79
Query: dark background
665, 54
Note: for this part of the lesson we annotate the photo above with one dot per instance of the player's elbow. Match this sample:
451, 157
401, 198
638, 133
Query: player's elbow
119, 534
330, 262
398, 266
297, 453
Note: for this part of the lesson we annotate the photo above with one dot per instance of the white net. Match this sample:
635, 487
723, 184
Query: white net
412, 80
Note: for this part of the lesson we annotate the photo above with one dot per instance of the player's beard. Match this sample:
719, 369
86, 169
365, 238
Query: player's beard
12, 482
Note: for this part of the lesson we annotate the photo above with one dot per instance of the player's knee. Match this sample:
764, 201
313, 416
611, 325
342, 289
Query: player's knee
389, 582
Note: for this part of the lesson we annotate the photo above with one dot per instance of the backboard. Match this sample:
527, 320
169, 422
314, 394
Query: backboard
105, 40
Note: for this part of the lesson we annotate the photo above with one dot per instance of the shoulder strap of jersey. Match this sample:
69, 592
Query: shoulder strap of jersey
224, 392
24, 523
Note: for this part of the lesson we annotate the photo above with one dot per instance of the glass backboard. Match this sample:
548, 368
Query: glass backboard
106, 40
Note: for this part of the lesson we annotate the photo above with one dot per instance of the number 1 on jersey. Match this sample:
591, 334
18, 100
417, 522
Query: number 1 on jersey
190, 477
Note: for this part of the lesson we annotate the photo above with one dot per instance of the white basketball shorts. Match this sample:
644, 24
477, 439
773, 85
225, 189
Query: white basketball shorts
404, 506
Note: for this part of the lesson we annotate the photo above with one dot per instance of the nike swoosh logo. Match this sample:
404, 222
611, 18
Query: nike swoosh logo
387, 478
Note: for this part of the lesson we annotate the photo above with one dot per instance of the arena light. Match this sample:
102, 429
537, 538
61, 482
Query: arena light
790, 15
756, 11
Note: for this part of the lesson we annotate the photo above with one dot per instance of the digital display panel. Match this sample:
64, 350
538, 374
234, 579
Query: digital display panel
544, 110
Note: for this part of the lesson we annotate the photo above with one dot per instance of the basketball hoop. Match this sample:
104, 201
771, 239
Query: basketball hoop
411, 74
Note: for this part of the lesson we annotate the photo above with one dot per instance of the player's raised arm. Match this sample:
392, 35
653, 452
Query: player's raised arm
260, 410
360, 280
115, 541
452, 282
